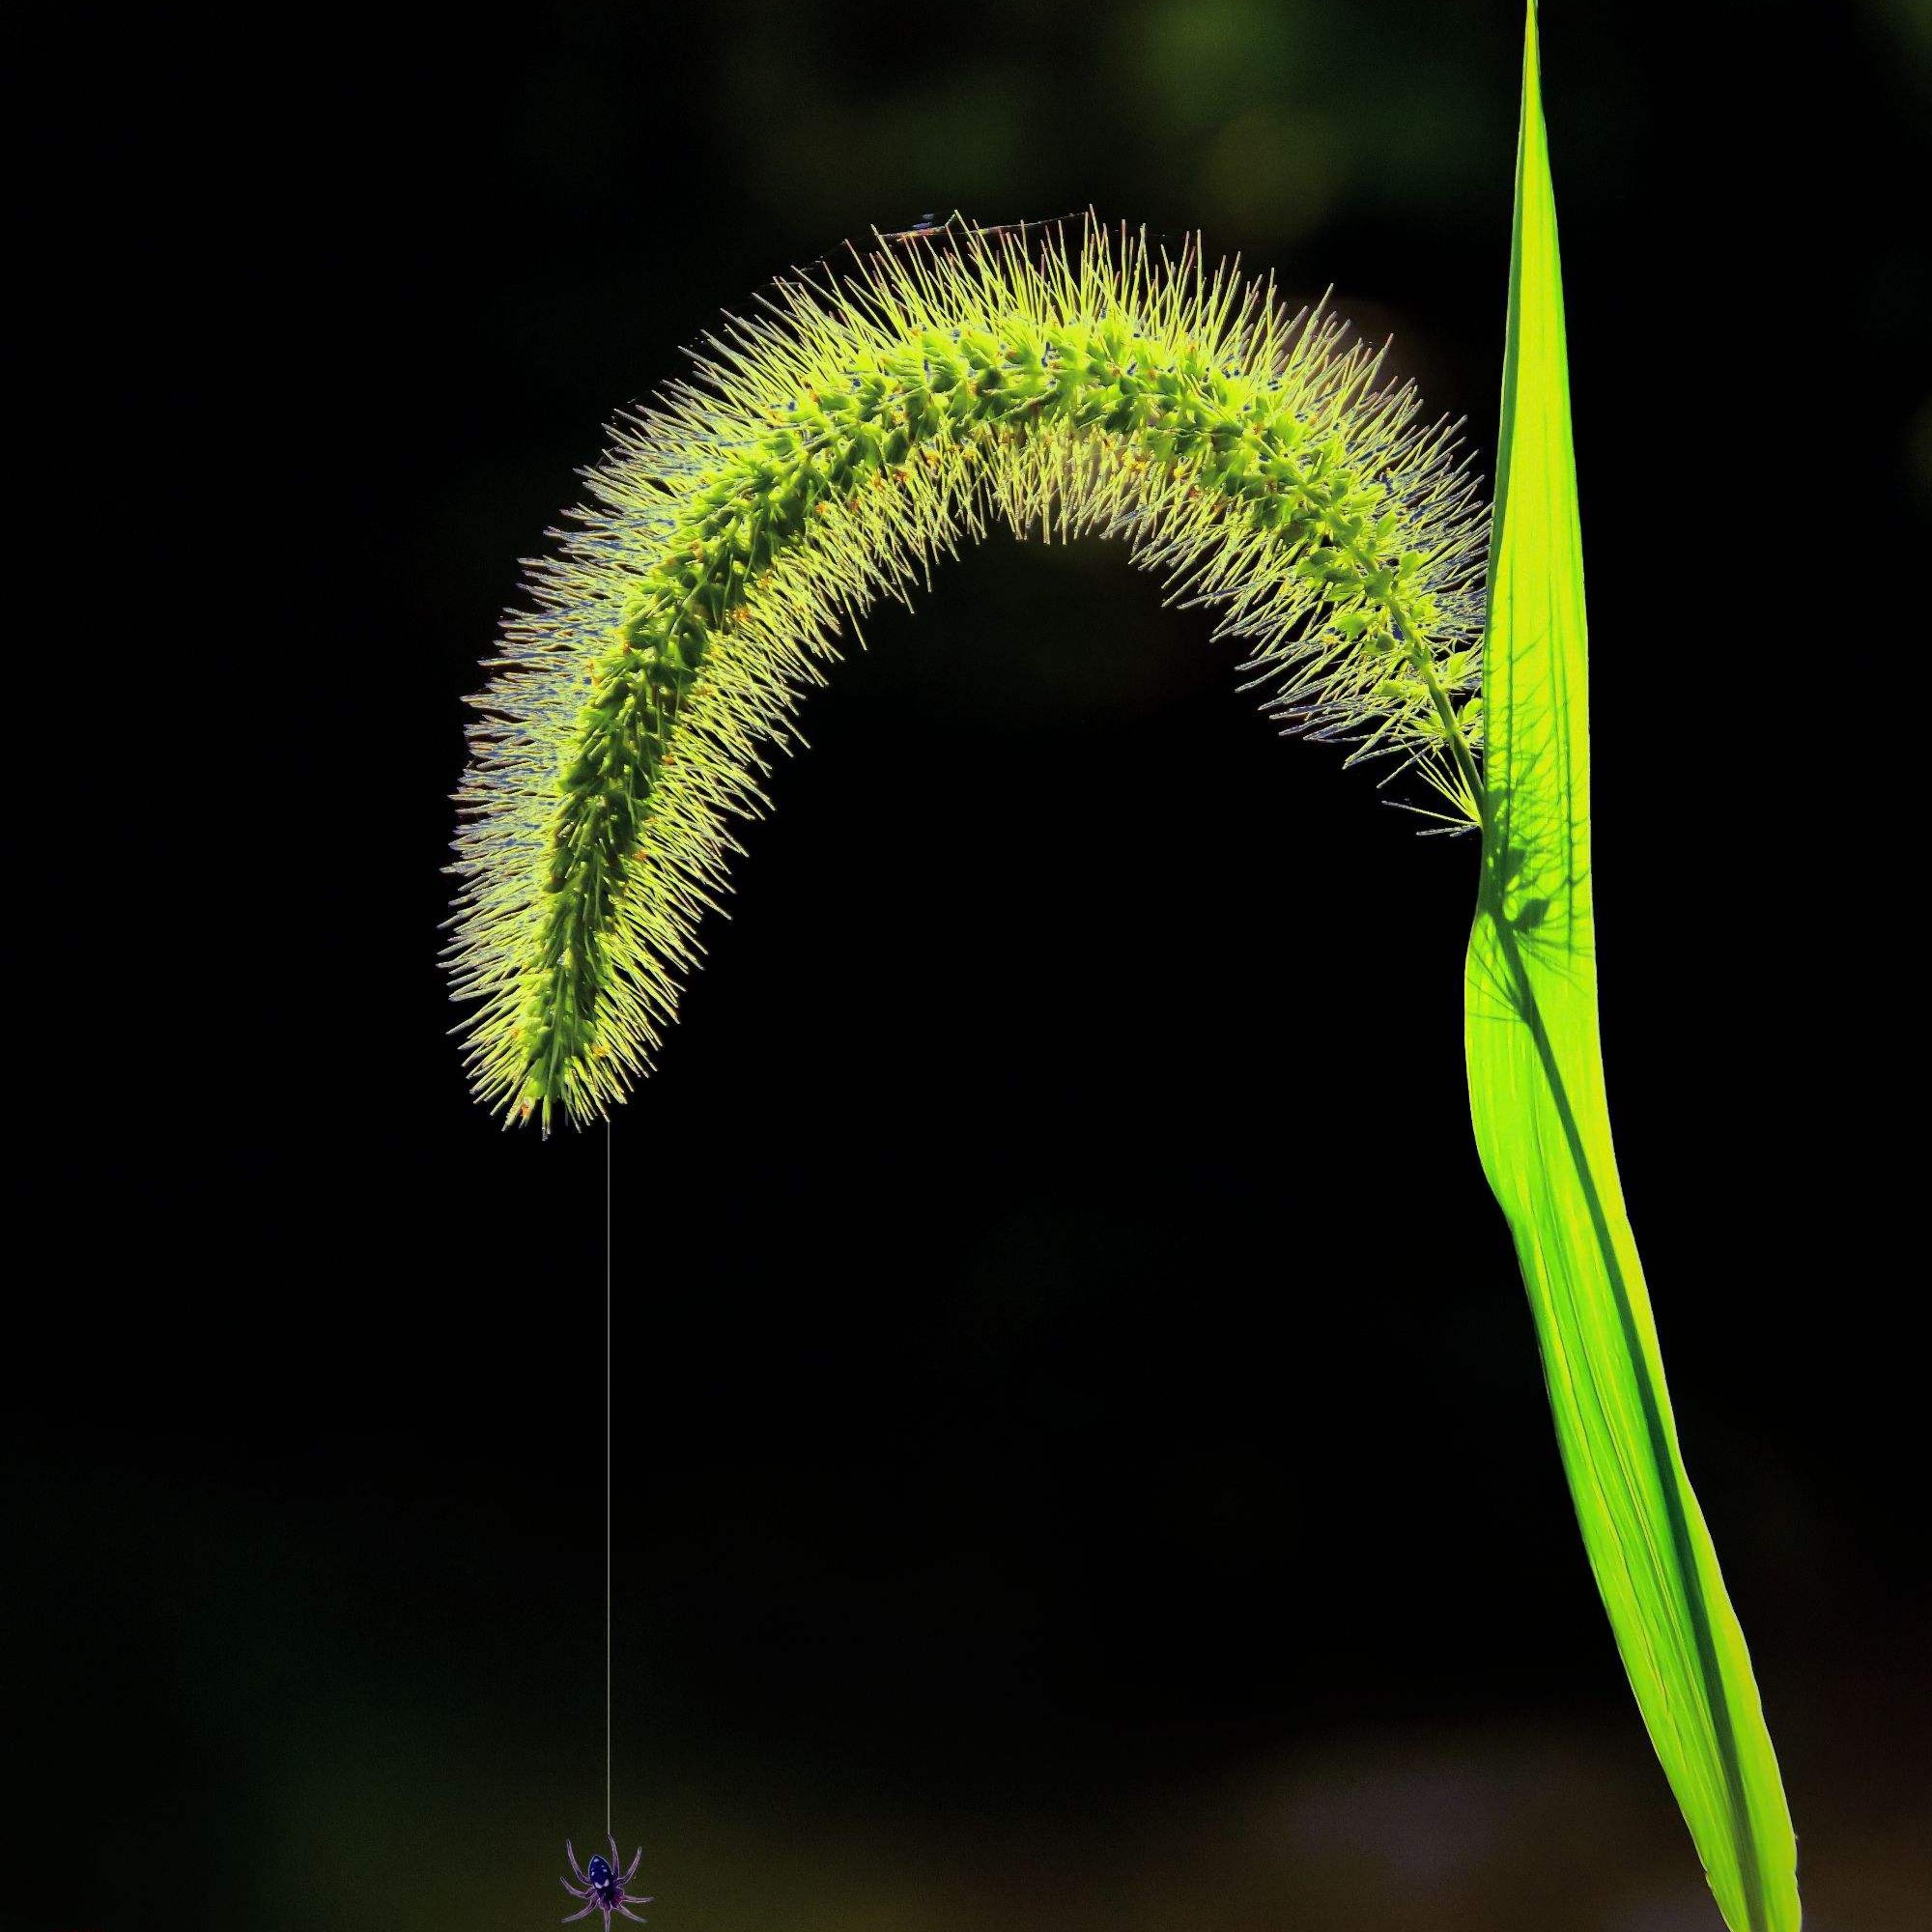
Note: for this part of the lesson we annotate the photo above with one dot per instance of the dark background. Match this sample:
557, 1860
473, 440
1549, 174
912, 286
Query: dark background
1080, 1453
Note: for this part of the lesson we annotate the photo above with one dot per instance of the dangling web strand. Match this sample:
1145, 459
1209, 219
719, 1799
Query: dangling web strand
607, 1131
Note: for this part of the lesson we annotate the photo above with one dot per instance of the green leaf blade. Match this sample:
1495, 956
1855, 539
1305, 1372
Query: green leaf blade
1542, 1119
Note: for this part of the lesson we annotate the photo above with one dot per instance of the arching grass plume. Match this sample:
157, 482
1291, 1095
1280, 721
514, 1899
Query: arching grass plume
828, 453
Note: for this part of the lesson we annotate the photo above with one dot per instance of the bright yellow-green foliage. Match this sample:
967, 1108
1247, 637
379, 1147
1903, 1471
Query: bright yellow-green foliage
832, 450
1536, 1086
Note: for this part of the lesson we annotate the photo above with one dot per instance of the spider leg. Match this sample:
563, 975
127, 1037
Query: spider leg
629, 1914
616, 1857
572, 1889
574, 1865
632, 1873
574, 1916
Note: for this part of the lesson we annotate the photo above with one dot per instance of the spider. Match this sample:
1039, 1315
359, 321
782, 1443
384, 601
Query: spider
603, 1885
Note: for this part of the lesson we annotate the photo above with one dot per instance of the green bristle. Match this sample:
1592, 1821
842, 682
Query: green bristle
828, 453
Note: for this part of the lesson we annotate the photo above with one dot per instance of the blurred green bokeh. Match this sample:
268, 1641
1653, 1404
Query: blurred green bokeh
1257, 121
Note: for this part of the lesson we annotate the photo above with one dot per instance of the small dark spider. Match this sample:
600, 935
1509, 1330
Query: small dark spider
603, 1885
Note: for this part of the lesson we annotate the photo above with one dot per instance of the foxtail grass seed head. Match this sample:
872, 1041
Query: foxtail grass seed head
829, 452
